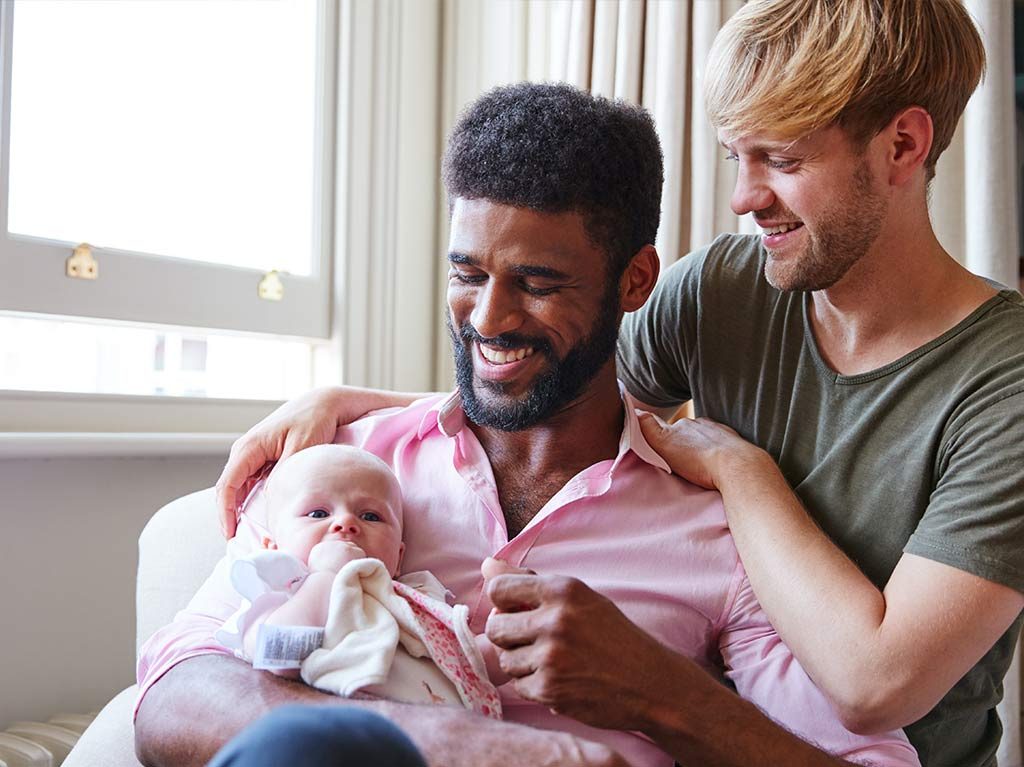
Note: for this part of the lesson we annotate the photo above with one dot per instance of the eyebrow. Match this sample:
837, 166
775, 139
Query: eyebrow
523, 270
768, 147
375, 503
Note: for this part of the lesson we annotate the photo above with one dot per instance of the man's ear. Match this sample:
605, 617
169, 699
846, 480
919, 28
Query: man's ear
639, 279
908, 140
268, 544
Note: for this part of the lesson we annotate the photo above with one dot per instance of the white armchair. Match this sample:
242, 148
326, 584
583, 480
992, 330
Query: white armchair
177, 550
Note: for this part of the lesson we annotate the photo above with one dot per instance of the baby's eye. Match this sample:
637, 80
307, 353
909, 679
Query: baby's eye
371, 516
318, 514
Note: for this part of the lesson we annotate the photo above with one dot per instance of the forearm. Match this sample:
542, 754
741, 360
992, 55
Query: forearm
201, 703
825, 609
367, 400
701, 723
308, 605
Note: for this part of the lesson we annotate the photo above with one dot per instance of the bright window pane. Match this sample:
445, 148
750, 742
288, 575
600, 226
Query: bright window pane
183, 129
49, 355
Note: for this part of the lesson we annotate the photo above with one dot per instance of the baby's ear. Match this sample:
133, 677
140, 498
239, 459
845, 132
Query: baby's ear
401, 555
268, 544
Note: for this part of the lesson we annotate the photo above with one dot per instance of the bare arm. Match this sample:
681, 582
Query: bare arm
308, 606
872, 653
311, 419
203, 702
717, 728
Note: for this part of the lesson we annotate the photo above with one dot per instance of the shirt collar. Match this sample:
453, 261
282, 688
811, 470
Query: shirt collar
448, 417
633, 436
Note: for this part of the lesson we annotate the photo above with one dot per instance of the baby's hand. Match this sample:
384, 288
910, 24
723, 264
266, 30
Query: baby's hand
331, 556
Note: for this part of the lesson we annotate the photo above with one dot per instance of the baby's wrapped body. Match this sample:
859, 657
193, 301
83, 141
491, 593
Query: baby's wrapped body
394, 639
319, 599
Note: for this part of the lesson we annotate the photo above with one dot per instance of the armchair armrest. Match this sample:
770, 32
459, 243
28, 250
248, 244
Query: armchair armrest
177, 551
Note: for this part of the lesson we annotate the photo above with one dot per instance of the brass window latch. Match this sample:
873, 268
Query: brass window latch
271, 288
81, 265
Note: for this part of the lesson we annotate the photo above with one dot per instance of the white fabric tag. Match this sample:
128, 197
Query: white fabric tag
282, 647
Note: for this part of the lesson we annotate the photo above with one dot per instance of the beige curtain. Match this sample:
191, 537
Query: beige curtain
652, 52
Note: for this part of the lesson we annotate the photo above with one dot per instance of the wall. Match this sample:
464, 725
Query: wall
69, 529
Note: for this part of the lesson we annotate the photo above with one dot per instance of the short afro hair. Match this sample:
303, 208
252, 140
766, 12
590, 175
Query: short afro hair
554, 148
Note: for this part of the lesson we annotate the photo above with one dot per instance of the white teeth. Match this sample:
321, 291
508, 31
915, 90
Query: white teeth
778, 229
503, 356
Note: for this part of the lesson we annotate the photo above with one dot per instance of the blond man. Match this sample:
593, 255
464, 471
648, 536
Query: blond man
874, 389
873, 386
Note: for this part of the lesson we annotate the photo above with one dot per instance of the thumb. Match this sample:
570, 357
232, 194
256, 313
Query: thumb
492, 567
653, 427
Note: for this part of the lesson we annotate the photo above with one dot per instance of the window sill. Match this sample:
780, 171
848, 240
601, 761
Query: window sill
115, 414
23, 445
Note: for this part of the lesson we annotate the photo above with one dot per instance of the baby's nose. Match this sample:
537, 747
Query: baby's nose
345, 526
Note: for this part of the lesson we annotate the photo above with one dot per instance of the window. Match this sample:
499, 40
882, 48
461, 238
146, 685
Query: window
51, 355
190, 145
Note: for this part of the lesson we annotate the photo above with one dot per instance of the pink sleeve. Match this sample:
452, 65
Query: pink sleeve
191, 632
765, 672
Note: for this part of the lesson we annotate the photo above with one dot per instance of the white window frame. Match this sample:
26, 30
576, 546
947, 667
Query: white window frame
60, 424
141, 287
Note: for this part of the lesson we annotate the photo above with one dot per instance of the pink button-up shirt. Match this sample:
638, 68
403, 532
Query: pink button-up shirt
654, 544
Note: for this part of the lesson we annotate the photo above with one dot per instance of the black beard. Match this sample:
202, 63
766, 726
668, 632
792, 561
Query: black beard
561, 383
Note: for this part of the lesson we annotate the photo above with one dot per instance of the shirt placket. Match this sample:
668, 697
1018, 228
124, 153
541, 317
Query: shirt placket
588, 484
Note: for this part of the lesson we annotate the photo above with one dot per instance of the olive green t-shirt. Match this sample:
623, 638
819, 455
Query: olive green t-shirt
924, 455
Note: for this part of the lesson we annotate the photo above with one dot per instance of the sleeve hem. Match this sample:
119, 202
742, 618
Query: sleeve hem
968, 560
151, 679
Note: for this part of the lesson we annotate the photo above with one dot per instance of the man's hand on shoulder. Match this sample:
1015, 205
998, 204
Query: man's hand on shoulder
700, 450
312, 419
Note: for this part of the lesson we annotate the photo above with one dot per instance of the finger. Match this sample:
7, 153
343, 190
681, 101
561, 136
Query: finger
518, 662
654, 429
515, 592
294, 442
226, 505
511, 630
492, 567
247, 457
535, 687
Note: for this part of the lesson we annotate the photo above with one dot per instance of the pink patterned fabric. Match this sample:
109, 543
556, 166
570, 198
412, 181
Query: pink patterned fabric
438, 634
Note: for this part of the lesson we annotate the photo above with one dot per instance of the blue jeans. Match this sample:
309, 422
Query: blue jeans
319, 736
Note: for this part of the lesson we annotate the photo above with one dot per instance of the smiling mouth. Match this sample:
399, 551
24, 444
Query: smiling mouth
781, 228
504, 356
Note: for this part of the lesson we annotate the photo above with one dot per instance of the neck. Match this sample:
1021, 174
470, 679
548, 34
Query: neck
906, 291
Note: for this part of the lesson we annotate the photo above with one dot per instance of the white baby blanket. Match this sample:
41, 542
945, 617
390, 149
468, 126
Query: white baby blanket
394, 639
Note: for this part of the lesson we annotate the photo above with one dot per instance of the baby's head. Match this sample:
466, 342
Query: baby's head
338, 496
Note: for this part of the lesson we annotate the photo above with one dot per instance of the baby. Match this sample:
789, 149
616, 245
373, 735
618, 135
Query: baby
328, 506
320, 599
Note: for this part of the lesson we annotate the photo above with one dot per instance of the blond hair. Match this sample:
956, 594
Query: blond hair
791, 67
